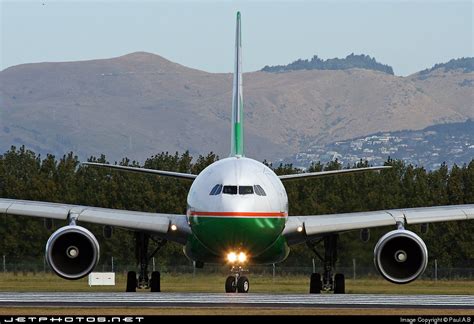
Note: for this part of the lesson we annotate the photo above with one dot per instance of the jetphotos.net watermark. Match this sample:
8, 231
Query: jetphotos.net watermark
436, 320
70, 319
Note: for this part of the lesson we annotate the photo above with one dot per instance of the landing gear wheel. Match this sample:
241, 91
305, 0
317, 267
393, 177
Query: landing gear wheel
315, 284
131, 281
339, 284
326, 281
230, 285
155, 285
243, 285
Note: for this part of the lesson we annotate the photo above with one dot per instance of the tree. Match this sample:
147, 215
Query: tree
24, 175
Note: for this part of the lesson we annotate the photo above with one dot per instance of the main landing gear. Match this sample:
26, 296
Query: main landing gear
327, 282
143, 281
236, 282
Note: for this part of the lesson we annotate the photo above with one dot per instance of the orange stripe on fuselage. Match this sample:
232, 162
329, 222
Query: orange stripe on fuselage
239, 214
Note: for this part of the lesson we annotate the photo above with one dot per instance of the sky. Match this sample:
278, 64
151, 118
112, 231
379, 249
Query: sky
407, 35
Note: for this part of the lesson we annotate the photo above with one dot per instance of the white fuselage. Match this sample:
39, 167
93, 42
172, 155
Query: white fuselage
237, 171
247, 213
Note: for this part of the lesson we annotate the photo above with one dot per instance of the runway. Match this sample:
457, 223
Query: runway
196, 300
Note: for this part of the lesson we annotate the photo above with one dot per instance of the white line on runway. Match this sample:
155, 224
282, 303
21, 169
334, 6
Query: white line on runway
193, 299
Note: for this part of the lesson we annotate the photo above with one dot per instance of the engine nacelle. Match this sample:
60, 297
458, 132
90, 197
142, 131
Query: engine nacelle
72, 252
400, 256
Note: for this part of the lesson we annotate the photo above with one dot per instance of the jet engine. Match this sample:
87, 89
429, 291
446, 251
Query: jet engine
72, 252
400, 256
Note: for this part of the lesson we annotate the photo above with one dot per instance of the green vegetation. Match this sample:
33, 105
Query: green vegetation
213, 283
24, 175
466, 64
350, 62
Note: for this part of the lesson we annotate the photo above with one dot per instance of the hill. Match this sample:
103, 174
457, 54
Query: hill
466, 64
139, 104
429, 147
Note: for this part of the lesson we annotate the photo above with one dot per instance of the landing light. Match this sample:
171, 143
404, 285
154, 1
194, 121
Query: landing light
299, 229
174, 227
242, 257
232, 257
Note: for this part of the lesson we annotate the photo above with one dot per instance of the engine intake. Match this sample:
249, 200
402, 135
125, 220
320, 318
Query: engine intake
72, 252
400, 256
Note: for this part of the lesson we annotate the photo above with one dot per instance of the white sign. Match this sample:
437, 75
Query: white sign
102, 279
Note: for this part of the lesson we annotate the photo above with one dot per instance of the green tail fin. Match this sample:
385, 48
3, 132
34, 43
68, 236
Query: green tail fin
237, 144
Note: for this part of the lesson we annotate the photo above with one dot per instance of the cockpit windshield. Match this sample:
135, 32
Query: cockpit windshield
230, 190
233, 190
216, 190
259, 190
245, 190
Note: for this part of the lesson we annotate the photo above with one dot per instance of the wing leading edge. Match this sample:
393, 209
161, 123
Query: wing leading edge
319, 174
155, 223
179, 175
302, 228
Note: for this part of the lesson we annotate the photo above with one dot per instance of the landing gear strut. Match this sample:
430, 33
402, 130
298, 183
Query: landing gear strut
236, 282
327, 282
143, 281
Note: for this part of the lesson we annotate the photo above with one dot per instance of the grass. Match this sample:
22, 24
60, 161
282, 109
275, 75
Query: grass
291, 284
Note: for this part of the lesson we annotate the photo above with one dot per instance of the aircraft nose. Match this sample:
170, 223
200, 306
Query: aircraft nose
237, 203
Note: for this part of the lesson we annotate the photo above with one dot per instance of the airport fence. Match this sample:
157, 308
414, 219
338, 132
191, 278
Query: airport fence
434, 271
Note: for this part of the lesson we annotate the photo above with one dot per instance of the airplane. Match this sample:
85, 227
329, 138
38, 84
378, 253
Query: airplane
237, 214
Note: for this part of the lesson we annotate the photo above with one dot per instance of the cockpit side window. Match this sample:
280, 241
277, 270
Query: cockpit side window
216, 190
245, 190
230, 190
259, 190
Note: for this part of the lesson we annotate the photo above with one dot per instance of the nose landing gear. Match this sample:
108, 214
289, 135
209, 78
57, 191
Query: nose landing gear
236, 282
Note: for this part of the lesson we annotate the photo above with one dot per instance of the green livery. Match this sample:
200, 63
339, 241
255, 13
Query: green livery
217, 235
237, 141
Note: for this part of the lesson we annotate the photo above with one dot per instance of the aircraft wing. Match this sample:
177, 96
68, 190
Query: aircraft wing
297, 176
154, 223
302, 228
179, 175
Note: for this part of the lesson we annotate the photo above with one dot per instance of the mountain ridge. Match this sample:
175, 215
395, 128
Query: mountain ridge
351, 61
140, 103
